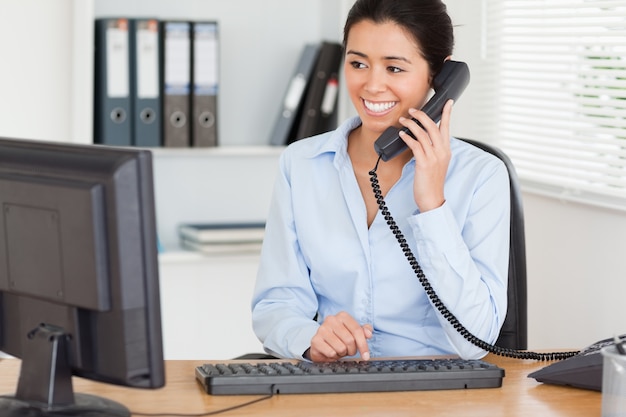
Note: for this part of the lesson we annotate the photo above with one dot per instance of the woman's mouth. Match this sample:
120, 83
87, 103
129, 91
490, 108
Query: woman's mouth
378, 107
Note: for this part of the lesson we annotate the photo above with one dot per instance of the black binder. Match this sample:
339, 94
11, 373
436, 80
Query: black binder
320, 104
145, 82
205, 82
286, 125
112, 112
176, 82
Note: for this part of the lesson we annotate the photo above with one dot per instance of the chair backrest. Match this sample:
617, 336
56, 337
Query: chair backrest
514, 332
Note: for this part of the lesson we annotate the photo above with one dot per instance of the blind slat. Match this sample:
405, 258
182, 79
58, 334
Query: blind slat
558, 69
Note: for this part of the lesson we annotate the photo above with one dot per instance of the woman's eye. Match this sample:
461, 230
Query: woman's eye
394, 69
357, 65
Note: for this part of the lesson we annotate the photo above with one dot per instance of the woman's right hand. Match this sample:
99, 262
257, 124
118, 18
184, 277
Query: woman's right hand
338, 336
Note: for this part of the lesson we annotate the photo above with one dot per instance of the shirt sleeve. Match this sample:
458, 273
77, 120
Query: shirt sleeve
284, 303
466, 260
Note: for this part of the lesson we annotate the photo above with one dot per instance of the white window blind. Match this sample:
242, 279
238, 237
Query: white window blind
559, 73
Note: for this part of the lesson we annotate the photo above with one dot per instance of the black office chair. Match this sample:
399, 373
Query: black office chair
514, 331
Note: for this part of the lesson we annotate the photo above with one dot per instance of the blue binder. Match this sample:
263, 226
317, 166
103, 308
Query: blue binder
145, 82
112, 112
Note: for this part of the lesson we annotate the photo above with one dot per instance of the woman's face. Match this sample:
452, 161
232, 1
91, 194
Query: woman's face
385, 74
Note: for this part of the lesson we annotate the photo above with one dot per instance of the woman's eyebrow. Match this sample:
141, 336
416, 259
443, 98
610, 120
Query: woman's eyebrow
352, 52
387, 58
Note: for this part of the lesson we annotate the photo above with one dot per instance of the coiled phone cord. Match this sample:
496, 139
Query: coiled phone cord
434, 298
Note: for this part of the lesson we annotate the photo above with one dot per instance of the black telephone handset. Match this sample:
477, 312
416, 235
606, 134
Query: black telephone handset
448, 84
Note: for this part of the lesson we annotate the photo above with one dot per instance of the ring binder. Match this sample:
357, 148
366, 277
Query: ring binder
176, 76
319, 113
146, 97
204, 74
112, 104
286, 125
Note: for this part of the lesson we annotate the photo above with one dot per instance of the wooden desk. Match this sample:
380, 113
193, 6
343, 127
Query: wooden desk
518, 396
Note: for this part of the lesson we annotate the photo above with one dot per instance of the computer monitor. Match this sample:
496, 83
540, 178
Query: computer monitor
79, 287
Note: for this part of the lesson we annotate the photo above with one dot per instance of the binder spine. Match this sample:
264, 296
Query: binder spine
145, 82
112, 112
205, 81
319, 114
176, 82
286, 125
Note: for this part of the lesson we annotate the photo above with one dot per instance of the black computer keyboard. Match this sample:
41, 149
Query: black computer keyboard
284, 377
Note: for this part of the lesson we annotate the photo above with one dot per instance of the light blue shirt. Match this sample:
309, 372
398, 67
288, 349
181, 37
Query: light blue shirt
320, 258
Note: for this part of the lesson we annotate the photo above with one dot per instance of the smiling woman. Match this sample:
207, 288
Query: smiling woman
386, 74
332, 280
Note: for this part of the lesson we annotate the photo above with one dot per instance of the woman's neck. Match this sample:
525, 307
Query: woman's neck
361, 149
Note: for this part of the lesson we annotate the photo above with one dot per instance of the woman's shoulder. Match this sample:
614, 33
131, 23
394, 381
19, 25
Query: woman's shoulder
308, 146
328, 142
476, 156
469, 148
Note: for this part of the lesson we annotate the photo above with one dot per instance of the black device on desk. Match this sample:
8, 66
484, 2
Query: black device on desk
79, 288
284, 377
581, 371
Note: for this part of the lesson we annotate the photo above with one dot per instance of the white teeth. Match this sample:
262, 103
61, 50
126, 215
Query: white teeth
379, 107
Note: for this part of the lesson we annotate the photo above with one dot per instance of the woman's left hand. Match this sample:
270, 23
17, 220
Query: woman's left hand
432, 156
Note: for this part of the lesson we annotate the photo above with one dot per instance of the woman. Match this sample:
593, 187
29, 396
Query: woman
333, 281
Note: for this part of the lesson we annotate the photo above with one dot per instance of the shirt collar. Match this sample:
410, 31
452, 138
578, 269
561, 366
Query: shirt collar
337, 141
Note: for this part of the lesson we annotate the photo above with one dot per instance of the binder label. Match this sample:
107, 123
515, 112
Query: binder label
147, 59
177, 65
117, 65
294, 93
205, 59
330, 96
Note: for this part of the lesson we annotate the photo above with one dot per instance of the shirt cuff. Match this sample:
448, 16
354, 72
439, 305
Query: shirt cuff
436, 228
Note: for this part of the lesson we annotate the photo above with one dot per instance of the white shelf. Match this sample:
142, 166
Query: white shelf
230, 184
218, 152
175, 256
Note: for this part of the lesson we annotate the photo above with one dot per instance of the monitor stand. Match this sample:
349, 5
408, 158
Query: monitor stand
45, 387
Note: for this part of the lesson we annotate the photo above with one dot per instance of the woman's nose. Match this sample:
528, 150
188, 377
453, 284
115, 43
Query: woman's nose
375, 82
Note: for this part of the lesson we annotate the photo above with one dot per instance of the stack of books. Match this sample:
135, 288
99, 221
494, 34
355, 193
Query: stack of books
222, 238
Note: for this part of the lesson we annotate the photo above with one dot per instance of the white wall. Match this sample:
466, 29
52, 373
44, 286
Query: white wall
46, 71
576, 272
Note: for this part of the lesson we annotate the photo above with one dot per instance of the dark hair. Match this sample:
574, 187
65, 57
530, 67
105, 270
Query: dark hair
426, 20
